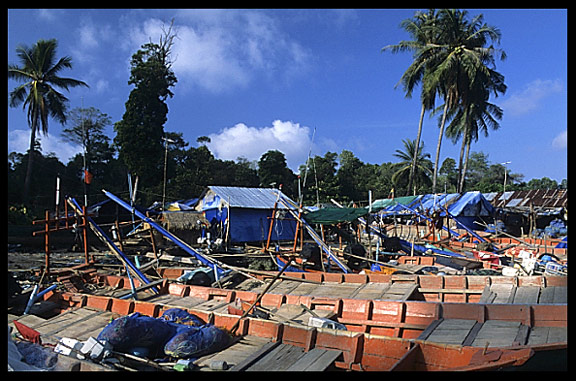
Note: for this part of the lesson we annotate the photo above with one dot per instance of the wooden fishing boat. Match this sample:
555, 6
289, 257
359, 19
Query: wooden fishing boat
393, 305
418, 336
434, 288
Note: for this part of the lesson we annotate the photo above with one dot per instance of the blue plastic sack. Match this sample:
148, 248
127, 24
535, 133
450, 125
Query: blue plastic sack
197, 341
180, 316
176, 333
137, 330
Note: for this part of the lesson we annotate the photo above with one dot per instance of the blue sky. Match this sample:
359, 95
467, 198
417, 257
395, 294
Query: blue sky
301, 80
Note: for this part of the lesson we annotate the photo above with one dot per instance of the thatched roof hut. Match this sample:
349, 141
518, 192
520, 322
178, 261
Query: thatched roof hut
184, 220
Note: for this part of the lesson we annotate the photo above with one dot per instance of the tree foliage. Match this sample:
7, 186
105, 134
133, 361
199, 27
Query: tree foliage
39, 93
139, 133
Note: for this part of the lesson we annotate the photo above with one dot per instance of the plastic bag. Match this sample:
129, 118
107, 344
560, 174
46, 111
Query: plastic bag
136, 330
180, 316
197, 341
176, 333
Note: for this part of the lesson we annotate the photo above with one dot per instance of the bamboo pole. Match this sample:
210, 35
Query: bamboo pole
237, 324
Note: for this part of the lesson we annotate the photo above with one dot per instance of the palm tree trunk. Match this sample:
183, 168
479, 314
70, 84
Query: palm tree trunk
28, 177
413, 166
461, 160
435, 175
468, 144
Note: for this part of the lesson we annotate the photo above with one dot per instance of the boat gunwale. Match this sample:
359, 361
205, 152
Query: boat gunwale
354, 345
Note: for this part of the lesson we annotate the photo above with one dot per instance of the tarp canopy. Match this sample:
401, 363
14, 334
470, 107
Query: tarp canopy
390, 203
469, 204
329, 216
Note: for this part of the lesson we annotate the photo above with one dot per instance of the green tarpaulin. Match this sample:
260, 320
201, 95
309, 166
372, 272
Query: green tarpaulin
328, 216
384, 203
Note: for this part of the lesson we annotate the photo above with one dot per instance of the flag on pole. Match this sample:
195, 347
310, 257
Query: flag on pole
87, 176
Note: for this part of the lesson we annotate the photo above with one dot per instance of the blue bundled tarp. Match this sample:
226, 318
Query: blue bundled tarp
467, 207
563, 244
176, 333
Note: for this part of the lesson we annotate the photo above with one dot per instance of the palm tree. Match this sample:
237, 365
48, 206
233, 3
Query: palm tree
476, 115
39, 72
461, 58
423, 28
422, 167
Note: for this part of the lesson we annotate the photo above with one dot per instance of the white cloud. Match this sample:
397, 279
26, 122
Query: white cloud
19, 141
528, 100
252, 142
206, 59
221, 50
561, 140
88, 36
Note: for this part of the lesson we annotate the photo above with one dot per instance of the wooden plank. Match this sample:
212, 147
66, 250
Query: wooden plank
335, 290
487, 296
497, 333
278, 359
522, 335
304, 289
557, 335
178, 301
315, 360
504, 293
526, 295
371, 291
472, 334
547, 335
236, 354
400, 291
289, 313
282, 287
561, 295
538, 335
451, 331
78, 324
247, 362
554, 294
428, 330
91, 326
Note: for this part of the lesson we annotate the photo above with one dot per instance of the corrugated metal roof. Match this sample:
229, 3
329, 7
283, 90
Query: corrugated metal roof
539, 198
241, 197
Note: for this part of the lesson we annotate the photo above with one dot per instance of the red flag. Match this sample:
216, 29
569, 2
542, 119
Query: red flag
87, 177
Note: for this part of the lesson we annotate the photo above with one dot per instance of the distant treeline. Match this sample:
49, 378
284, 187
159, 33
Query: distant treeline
189, 170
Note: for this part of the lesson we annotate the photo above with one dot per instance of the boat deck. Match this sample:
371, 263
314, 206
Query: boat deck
492, 293
286, 344
247, 353
491, 333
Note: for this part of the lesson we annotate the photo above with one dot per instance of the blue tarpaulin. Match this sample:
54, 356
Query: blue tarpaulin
176, 333
563, 244
467, 207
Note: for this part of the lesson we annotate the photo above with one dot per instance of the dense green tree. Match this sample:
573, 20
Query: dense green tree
448, 176
86, 128
273, 171
349, 177
42, 184
318, 179
39, 93
139, 134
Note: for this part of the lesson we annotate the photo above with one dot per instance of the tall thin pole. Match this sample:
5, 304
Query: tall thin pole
84, 142
166, 141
